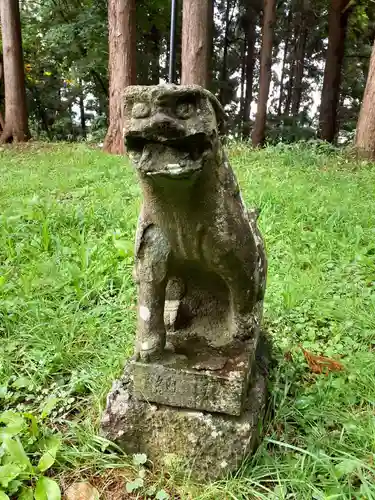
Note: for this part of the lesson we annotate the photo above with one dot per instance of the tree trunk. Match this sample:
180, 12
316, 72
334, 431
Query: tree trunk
223, 76
122, 72
337, 25
299, 66
250, 63
2, 123
155, 39
289, 90
242, 86
195, 43
211, 29
299, 62
71, 123
282, 77
82, 111
16, 125
285, 56
42, 120
365, 135
269, 19
292, 66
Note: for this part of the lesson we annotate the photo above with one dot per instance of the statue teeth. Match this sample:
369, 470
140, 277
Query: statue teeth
174, 168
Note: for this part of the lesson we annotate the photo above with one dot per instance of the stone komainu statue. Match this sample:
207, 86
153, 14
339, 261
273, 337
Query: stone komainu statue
200, 261
197, 387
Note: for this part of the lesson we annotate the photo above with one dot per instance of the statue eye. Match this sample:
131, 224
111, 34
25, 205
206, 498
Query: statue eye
140, 110
185, 110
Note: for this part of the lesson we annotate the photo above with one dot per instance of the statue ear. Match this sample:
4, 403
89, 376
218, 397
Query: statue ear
221, 117
222, 120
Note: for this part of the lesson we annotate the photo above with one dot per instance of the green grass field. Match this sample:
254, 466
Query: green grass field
67, 313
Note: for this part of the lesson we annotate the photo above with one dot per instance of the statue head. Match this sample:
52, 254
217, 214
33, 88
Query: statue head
171, 130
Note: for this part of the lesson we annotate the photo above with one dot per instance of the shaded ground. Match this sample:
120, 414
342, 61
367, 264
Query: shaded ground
67, 223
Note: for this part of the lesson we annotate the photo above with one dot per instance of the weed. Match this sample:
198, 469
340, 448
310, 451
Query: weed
28, 450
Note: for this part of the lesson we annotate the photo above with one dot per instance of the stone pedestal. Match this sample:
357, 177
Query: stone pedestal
203, 378
208, 444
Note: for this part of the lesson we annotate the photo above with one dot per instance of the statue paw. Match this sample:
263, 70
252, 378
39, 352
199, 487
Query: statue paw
151, 349
245, 327
150, 355
243, 334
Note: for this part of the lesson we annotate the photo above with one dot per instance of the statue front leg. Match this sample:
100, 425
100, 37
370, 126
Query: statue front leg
151, 271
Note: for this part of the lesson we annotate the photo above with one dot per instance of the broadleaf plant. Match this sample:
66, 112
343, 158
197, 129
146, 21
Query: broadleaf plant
28, 450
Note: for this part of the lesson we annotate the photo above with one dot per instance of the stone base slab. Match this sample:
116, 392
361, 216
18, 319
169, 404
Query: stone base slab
207, 379
209, 445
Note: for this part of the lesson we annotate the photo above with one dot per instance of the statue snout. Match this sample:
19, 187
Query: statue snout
165, 127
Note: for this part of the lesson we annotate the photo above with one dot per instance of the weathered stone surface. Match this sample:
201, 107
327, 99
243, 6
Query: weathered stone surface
208, 444
214, 380
200, 263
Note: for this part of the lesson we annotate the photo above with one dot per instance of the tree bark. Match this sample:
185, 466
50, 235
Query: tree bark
211, 29
223, 76
337, 25
195, 43
299, 62
292, 63
122, 72
242, 81
16, 124
299, 66
250, 63
269, 19
283, 67
2, 123
82, 110
155, 55
289, 90
365, 135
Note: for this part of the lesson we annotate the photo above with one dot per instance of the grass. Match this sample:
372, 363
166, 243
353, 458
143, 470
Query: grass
67, 311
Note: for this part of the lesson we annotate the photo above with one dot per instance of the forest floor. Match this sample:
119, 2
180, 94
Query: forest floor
67, 315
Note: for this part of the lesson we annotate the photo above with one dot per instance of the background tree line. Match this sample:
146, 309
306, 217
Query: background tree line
284, 70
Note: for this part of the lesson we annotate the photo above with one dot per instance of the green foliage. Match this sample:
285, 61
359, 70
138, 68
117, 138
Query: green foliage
27, 450
141, 483
67, 319
66, 58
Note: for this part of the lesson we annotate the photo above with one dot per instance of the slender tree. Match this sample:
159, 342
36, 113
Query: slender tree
269, 18
300, 50
15, 127
195, 42
224, 68
337, 25
2, 123
81, 100
252, 13
284, 63
292, 56
122, 72
155, 55
242, 79
365, 135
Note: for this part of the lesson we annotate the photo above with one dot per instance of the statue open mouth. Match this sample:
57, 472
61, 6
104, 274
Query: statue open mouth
176, 158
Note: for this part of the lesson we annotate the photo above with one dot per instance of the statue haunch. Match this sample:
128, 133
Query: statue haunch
200, 264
